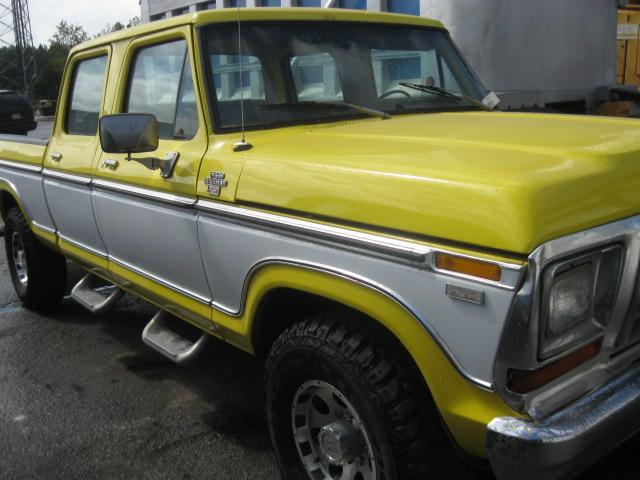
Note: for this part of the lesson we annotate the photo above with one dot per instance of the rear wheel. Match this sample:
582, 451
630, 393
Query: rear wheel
39, 274
344, 403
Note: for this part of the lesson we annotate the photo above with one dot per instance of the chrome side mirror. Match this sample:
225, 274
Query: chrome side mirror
129, 133
135, 133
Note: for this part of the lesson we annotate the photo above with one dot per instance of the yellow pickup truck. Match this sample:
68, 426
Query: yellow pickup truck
328, 190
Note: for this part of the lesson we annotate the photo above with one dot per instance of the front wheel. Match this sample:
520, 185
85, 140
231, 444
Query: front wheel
39, 274
343, 403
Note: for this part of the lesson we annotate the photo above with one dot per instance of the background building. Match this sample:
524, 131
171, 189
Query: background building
160, 9
534, 54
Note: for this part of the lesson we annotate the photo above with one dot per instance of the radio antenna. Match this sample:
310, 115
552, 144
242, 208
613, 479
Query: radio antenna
242, 145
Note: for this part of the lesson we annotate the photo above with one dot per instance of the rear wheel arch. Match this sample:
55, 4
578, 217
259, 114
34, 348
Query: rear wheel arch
39, 274
8, 199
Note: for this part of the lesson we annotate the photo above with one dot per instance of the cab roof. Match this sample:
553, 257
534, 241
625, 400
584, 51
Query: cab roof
261, 14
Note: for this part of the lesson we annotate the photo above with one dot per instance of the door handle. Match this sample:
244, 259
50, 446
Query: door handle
56, 157
110, 164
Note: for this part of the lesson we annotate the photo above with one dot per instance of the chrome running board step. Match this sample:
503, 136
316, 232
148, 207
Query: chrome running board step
171, 344
96, 299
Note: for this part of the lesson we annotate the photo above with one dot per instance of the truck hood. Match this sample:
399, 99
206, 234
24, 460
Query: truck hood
500, 181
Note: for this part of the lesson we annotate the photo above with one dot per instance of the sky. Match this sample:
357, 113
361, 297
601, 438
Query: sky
93, 15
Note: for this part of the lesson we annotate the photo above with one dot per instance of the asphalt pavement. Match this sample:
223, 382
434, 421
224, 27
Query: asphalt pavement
82, 398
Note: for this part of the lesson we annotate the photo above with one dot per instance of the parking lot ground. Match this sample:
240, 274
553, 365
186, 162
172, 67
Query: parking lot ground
82, 398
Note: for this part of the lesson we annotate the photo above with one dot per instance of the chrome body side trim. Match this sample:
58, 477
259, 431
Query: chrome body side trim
82, 246
25, 185
398, 247
519, 346
469, 334
402, 270
570, 440
417, 254
69, 200
52, 231
157, 238
365, 282
67, 177
146, 193
21, 166
161, 281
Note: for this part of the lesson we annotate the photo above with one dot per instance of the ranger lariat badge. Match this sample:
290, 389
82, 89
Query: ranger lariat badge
215, 181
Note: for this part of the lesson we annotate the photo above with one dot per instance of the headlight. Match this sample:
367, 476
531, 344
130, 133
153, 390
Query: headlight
578, 296
570, 299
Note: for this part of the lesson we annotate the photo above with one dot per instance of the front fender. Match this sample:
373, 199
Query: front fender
465, 408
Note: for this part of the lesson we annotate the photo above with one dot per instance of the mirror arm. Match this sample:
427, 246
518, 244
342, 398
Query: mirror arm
165, 165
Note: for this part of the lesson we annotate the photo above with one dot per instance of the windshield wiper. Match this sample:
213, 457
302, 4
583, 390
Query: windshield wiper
331, 105
441, 92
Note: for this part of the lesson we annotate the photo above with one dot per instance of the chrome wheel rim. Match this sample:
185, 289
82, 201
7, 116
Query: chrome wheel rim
19, 258
330, 437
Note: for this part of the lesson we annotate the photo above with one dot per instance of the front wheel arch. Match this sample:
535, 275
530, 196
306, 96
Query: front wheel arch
465, 408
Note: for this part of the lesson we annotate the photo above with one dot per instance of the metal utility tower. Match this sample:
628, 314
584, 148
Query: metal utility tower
17, 61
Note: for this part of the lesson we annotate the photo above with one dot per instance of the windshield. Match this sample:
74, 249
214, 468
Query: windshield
313, 72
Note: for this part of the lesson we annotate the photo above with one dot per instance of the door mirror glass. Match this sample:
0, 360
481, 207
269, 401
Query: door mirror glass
129, 133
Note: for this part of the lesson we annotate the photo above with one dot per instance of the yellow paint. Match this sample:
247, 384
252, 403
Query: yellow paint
47, 237
180, 305
183, 181
465, 408
82, 256
494, 182
22, 152
257, 14
502, 181
78, 151
51, 239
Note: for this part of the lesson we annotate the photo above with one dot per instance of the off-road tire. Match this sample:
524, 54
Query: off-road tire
377, 377
46, 269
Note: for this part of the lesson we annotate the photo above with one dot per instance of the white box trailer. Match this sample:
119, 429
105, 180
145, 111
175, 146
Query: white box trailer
536, 53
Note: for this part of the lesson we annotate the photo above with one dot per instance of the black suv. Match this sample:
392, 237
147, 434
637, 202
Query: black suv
16, 114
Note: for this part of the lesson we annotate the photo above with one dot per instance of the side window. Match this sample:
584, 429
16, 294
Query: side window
160, 83
316, 77
227, 79
187, 110
391, 67
86, 96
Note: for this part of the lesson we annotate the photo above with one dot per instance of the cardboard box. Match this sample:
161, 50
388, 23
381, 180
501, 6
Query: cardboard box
628, 55
621, 58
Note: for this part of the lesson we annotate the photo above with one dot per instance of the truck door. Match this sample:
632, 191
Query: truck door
149, 222
72, 155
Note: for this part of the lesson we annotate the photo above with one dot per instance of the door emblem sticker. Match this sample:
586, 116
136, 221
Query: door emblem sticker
215, 181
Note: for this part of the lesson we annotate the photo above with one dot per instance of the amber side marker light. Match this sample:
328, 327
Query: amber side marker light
468, 266
522, 381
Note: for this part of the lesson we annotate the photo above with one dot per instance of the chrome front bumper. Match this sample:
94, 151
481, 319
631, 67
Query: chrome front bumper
563, 444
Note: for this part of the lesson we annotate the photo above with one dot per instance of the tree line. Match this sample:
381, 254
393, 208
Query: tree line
50, 58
